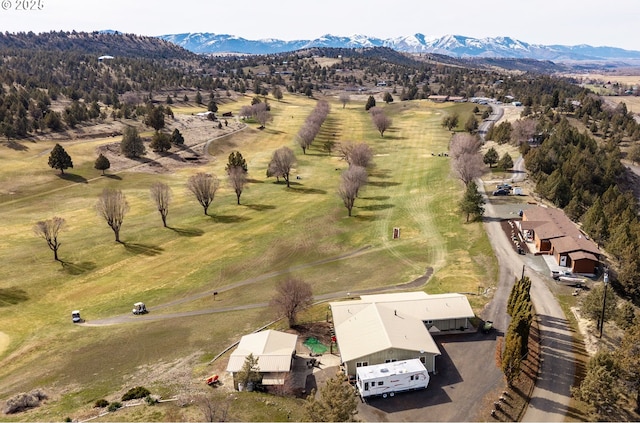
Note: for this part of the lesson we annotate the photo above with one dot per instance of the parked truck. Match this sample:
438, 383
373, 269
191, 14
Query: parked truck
387, 379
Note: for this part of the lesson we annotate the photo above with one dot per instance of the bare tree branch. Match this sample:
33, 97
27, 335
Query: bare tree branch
112, 206
161, 195
48, 230
292, 296
204, 187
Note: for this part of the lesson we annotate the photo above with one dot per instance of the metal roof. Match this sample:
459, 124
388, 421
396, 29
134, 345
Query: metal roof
378, 327
272, 348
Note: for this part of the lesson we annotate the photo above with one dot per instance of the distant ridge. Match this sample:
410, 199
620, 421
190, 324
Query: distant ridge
450, 45
110, 43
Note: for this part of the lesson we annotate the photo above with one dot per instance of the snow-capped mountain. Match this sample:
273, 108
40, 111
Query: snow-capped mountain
450, 45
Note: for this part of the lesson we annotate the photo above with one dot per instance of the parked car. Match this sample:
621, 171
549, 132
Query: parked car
501, 192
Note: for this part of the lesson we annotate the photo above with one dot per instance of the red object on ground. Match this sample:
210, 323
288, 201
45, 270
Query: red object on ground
212, 380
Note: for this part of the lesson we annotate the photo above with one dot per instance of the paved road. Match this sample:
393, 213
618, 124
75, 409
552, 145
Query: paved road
551, 395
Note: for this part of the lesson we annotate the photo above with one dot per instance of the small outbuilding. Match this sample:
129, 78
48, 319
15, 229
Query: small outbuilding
274, 351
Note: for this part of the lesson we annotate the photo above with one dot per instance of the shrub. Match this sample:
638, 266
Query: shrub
114, 406
24, 401
151, 400
135, 393
101, 403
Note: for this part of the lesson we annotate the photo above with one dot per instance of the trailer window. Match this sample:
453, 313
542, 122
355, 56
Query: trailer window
390, 360
362, 363
380, 383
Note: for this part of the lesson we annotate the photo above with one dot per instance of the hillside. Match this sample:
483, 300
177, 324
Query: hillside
97, 43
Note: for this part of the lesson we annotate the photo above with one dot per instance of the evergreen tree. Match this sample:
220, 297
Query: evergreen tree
505, 162
471, 125
491, 157
176, 137
628, 359
471, 203
155, 118
102, 163
250, 371
236, 160
212, 106
600, 388
336, 402
198, 98
160, 142
511, 358
387, 97
59, 159
131, 145
371, 102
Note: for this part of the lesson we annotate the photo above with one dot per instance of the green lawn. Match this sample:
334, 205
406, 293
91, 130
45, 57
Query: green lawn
294, 231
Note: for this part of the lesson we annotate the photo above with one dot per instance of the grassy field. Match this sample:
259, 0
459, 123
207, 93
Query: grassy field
301, 231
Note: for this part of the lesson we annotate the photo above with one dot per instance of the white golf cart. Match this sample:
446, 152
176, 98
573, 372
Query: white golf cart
75, 316
139, 308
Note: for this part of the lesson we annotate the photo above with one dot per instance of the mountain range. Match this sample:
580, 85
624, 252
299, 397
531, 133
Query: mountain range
450, 45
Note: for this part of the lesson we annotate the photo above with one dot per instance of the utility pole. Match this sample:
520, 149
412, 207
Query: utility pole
604, 299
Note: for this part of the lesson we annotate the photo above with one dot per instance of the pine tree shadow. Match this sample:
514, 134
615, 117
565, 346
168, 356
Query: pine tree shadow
259, 207
14, 145
230, 219
147, 250
77, 268
71, 177
12, 296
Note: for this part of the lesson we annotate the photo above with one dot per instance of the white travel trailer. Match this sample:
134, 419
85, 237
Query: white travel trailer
389, 378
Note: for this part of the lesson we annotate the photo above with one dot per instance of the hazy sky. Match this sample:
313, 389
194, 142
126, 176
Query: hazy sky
569, 22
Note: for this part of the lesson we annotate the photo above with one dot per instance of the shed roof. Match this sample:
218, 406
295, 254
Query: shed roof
567, 244
272, 348
582, 255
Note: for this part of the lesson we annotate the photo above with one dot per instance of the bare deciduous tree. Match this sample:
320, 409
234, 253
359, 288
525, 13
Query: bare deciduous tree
112, 206
467, 167
355, 175
352, 180
466, 161
281, 163
213, 410
462, 144
261, 114
49, 230
204, 187
237, 180
161, 196
344, 99
312, 125
305, 137
292, 296
380, 120
522, 131
360, 155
